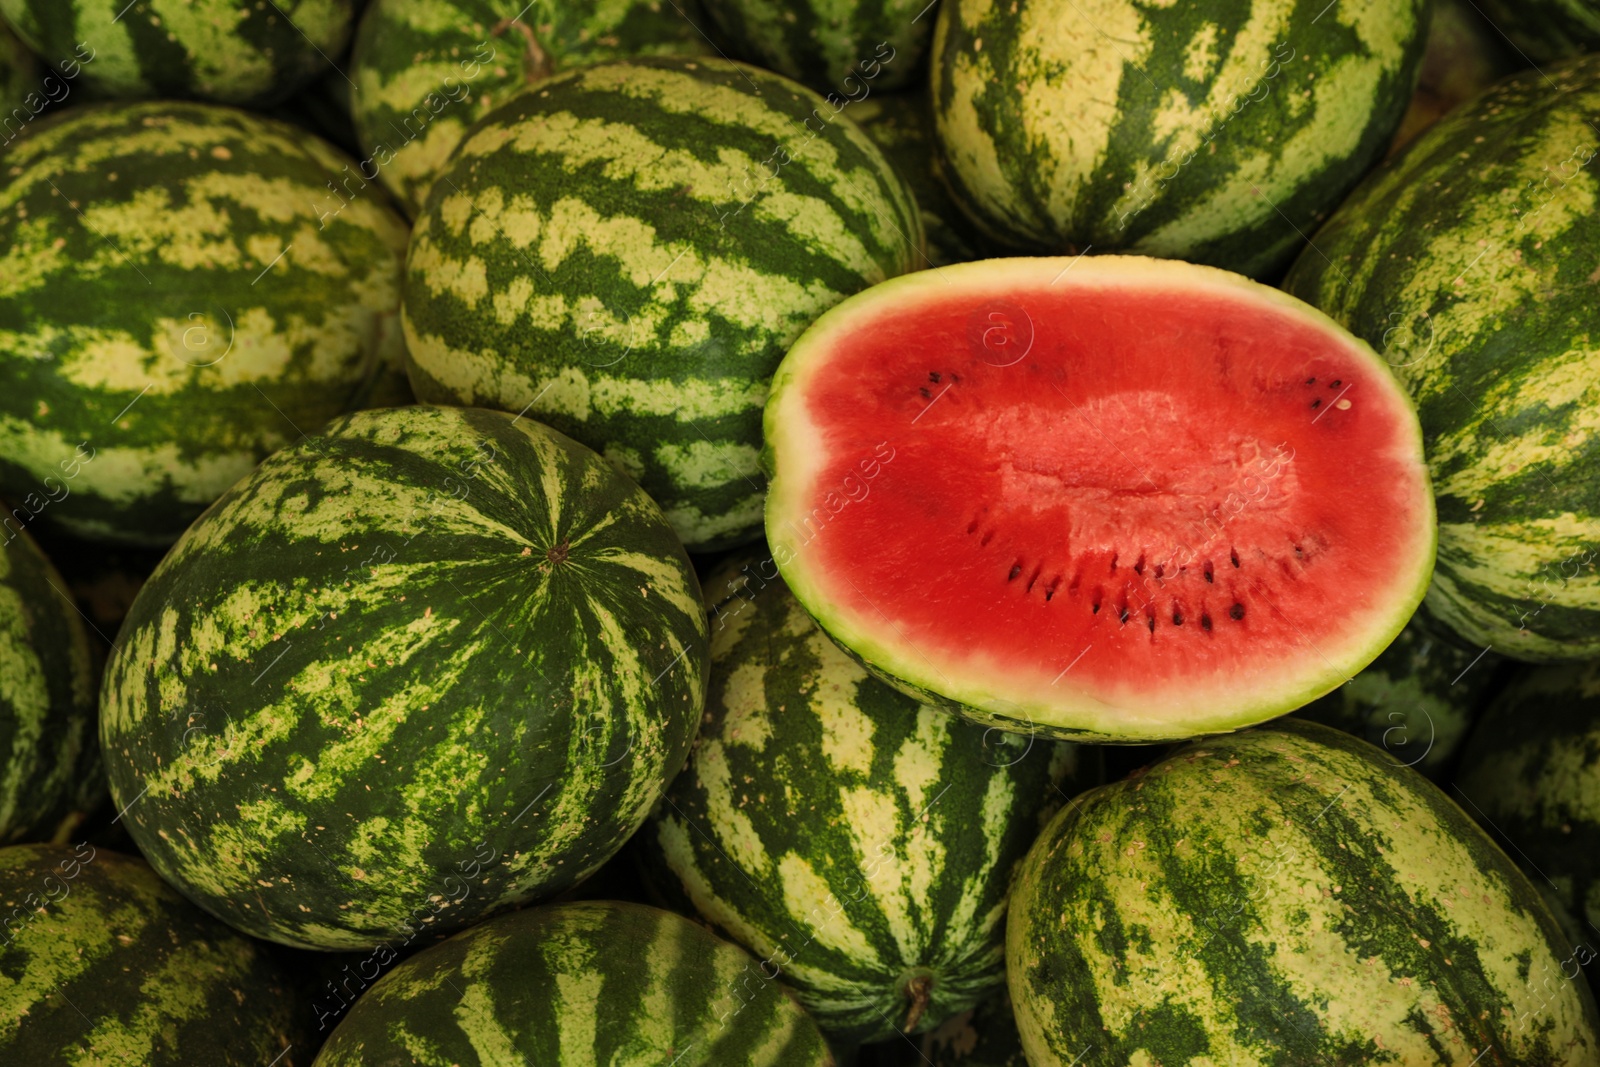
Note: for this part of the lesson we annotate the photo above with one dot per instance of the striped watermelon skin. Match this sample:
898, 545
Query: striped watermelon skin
1286, 895
51, 776
426, 70
1417, 700
1545, 30
613, 254
181, 307
106, 964
1216, 135
1462, 261
434, 663
230, 51
902, 126
1531, 776
839, 49
860, 844
599, 982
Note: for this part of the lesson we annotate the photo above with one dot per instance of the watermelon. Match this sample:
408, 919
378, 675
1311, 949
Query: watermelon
847, 51
1545, 30
859, 844
1218, 134
425, 70
106, 964
601, 982
431, 664
178, 303
1465, 54
1074, 496
231, 51
1465, 261
902, 126
1288, 896
1417, 700
1531, 776
50, 776
627, 252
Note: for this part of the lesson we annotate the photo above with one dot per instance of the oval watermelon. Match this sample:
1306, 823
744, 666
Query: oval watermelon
431, 664
1531, 776
1545, 30
179, 301
628, 251
846, 51
50, 776
1416, 701
425, 70
859, 844
106, 964
1220, 135
1286, 896
1105, 498
1465, 262
231, 51
592, 983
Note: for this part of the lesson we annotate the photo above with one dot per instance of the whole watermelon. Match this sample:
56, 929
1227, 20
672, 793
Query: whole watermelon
425, 70
1417, 700
1531, 776
1465, 261
431, 664
1546, 30
846, 51
50, 772
601, 982
860, 844
184, 295
628, 251
1220, 134
106, 964
230, 51
1289, 896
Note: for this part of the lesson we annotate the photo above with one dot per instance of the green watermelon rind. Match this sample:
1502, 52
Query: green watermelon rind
788, 436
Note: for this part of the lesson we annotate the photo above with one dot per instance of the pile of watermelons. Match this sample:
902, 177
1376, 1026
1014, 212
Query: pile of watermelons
706, 533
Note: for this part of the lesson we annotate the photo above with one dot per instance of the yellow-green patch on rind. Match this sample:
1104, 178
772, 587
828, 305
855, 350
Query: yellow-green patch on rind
1466, 261
579, 984
230, 51
179, 296
627, 250
431, 664
853, 840
1217, 135
1285, 895
107, 964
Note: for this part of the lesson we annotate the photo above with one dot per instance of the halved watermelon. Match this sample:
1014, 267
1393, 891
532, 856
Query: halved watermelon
1116, 499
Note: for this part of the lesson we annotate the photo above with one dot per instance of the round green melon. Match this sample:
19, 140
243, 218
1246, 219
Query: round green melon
1531, 776
106, 964
593, 983
1287, 896
50, 777
1545, 30
179, 300
626, 253
426, 70
230, 51
434, 663
846, 51
859, 843
902, 126
1465, 262
1417, 700
1216, 134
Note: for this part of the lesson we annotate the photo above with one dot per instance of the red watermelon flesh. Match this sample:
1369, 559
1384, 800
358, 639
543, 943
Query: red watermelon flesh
1106, 498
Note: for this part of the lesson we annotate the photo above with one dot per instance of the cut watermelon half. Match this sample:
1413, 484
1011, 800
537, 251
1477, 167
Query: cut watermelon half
1110, 498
